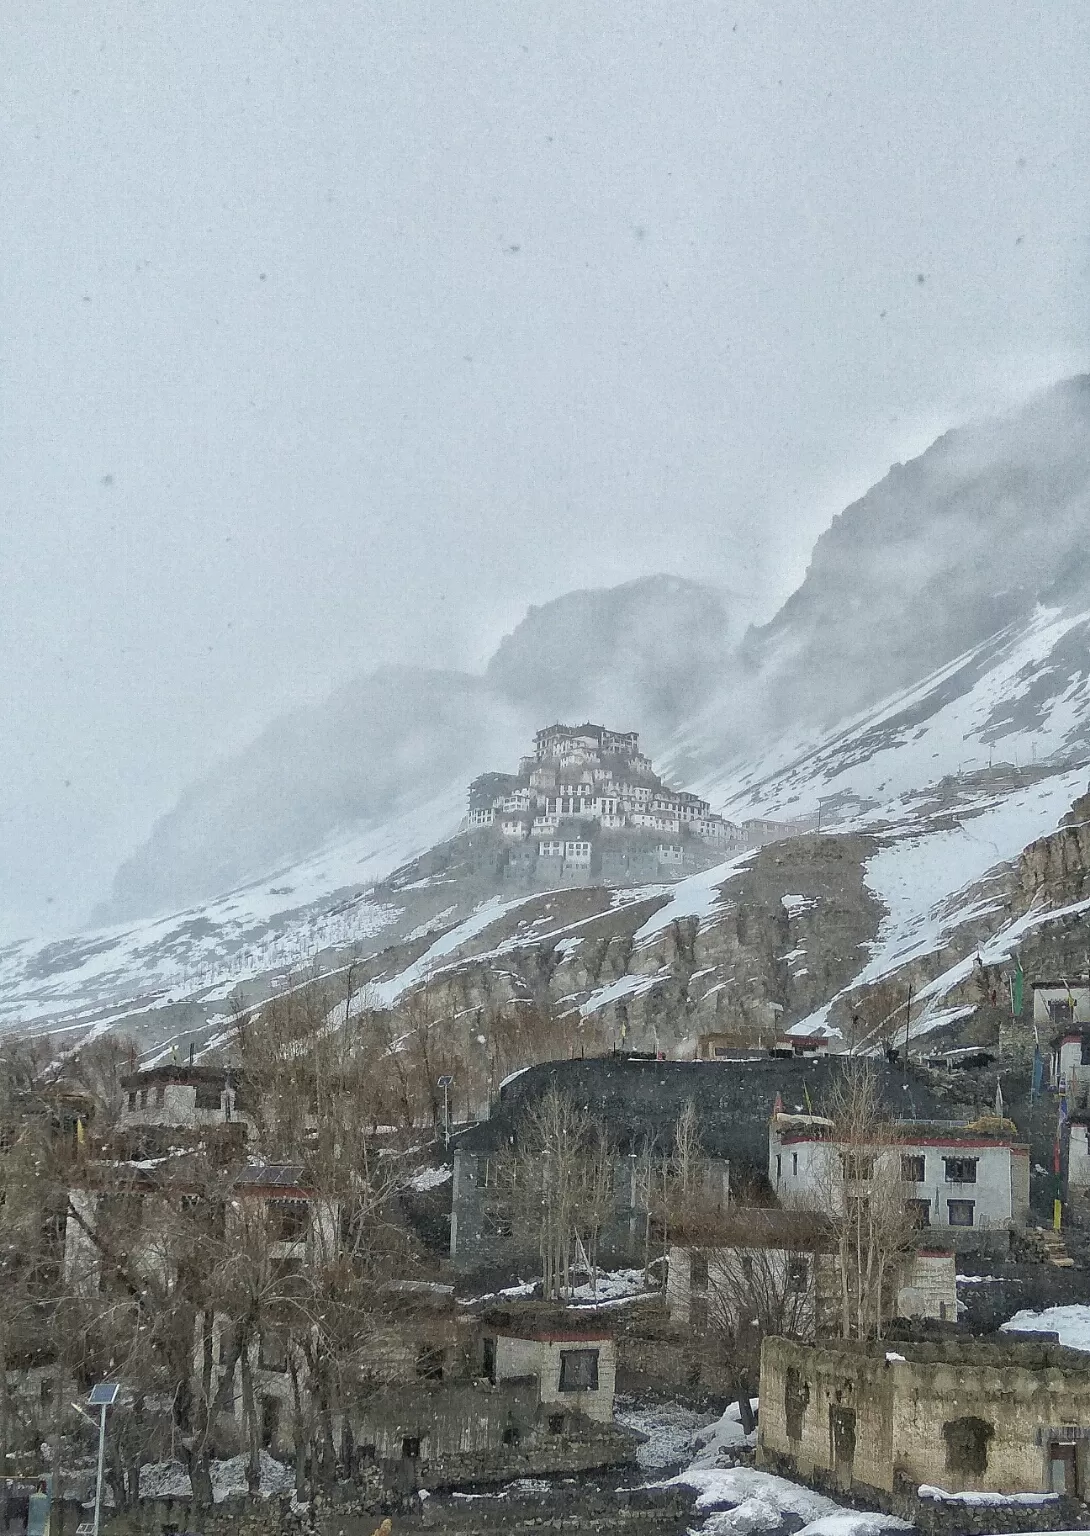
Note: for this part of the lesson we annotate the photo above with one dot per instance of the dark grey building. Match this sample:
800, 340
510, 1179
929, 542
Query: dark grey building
638, 1102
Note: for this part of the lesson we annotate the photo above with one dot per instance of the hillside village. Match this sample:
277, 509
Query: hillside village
326, 1296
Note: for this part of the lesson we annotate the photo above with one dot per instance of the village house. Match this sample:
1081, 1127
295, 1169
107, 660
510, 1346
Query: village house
1070, 1064
183, 1095
1058, 1003
967, 1181
637, 1102
808, 1040
960, 1415
782, 1265
531, 1399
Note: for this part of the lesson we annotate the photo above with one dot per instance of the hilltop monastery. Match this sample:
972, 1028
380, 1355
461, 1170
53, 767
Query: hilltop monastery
585, 782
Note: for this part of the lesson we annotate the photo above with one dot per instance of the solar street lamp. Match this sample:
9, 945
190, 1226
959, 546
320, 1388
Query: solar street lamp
102, 1396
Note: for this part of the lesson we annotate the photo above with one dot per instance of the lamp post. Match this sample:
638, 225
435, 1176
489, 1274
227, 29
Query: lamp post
103, 1396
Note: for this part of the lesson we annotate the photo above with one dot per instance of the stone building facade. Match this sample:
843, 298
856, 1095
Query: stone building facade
589, 806
961, 1415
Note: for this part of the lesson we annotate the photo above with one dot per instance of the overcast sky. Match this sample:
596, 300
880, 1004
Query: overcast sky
334, 333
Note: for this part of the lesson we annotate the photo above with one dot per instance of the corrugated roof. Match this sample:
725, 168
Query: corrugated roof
273, 1176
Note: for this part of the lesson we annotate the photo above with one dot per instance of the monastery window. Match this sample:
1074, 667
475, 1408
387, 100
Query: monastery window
143, 1098
961, 1212
132, 1099
578, 1370
842, 1434
913, 1170
857, 1165
160, 1095
496, 1223
272, 1352
429, 1363
798, 1273
1061, 1011
698, 1313
960, 1170
920, 1211
967, 1444
289, 1220
270, 1421
698, 1271
796, 1399
209, 1096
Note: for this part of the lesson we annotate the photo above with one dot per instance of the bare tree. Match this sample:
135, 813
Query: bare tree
861, 1190
757, 1290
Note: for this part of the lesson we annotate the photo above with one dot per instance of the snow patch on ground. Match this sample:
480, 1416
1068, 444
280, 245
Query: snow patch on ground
430, 1178
698, 896
915, 876
926, 1491
671, 1431
1071, 1323
720, 1442
616, 1285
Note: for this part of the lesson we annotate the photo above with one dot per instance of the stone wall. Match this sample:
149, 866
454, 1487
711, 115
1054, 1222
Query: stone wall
467, 1432
960, 1416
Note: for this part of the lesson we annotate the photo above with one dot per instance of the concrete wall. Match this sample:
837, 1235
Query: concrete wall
903, 1410
518, 1358
726, 1292
1078, 1159
926, 1286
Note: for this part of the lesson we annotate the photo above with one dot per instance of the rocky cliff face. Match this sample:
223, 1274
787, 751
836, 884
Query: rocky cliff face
787, 930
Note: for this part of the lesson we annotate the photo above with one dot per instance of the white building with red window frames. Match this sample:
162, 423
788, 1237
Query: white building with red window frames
955, 1176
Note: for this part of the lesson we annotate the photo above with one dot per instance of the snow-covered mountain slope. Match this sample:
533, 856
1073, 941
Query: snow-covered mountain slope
645, 652
789, 935
927, 690
183, 966
793, 931
1021, 698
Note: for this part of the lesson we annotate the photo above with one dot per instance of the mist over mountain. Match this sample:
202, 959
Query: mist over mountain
945, 551
645, 653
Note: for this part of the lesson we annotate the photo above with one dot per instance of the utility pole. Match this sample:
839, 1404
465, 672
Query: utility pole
908, 1020
444, 1083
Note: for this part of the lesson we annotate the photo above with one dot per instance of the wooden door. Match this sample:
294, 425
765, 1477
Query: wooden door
1063, 1469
